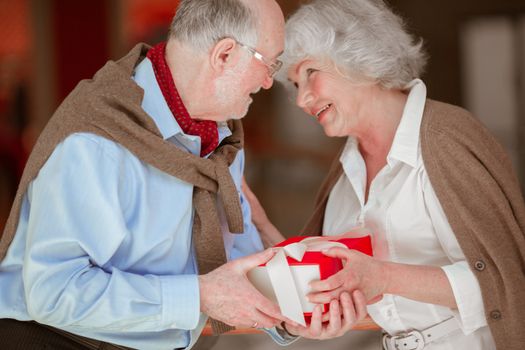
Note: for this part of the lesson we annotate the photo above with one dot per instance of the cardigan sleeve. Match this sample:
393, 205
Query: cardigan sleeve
481, 197
467, 293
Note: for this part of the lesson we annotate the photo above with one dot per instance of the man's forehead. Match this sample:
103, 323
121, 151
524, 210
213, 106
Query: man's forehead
272, 37
270, 27
269, 16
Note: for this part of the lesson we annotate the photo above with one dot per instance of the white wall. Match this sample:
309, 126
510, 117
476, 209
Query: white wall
491, 77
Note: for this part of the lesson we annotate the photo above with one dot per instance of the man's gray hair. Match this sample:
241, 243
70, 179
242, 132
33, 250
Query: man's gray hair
363, 37
201, 23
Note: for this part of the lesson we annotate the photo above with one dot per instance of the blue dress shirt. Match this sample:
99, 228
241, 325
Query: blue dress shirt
103, 247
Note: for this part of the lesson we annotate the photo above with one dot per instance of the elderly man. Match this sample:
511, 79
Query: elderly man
130, 204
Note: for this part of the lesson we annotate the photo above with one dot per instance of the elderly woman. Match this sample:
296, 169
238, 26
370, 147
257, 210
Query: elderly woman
434, 188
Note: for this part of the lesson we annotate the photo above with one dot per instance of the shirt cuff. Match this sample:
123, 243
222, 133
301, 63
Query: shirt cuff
180, 301
470, 312
281, 336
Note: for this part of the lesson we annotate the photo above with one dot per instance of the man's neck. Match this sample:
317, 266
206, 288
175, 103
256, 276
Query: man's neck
189, 74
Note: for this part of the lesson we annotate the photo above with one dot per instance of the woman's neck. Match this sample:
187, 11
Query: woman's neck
384, 116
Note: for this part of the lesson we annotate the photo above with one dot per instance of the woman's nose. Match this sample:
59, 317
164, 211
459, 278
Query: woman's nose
304, 97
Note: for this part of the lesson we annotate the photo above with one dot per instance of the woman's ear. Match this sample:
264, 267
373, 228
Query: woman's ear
222, 53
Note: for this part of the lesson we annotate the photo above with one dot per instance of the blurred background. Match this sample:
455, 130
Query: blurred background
477, 60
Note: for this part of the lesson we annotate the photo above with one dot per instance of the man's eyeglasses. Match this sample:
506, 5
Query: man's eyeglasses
272, 65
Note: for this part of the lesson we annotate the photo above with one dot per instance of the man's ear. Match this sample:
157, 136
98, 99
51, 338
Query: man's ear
222, 53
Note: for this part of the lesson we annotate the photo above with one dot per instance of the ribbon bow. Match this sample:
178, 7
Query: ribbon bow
283, 282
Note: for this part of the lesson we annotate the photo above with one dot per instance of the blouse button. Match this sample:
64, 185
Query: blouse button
495, 314
480, 265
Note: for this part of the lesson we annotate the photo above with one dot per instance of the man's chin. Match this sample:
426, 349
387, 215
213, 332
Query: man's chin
241, 114
237, 116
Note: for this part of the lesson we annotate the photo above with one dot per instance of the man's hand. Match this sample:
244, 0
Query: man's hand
227, 295
342, 316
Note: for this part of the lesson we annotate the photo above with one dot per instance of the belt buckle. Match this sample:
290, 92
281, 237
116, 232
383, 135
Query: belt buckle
404, 341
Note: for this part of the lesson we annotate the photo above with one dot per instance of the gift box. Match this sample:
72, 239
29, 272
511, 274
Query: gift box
299, 260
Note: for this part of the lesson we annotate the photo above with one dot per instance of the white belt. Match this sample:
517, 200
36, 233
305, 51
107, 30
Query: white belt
417, 340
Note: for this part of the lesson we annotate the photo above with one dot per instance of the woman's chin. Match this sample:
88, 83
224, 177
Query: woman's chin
330, 132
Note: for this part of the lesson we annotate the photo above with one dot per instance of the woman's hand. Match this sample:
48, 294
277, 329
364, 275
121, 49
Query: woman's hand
360, 272
269, 233
342, 316
427, 284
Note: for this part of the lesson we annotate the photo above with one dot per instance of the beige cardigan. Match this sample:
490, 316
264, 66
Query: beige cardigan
480, 194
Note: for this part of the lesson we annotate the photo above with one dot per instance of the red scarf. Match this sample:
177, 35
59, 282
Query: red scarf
206, 129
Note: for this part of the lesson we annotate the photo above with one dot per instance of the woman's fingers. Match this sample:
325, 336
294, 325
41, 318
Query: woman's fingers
349, 312
334, 326
316, 323
339, 252
342, 316
360, 304
325, 297
331, 283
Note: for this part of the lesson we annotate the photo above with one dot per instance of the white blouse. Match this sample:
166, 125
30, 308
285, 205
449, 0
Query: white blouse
408, 226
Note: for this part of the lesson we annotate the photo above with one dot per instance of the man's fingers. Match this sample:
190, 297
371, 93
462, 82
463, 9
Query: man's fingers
291, 322
249, 262
273, 312
268, 307
265, 321
295, 329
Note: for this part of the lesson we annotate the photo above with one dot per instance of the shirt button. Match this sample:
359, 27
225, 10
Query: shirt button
495, 314
480, 265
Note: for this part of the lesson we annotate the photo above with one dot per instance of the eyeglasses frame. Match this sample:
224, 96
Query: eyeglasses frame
273, 67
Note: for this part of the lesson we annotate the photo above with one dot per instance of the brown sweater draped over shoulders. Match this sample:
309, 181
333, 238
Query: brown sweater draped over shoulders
481, 197
109, 105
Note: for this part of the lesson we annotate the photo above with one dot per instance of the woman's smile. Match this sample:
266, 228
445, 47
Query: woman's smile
323, 111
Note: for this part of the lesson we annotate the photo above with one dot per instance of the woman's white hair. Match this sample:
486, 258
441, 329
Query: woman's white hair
201, 23
362, 37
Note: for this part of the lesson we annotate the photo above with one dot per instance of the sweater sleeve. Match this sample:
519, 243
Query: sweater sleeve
467, 293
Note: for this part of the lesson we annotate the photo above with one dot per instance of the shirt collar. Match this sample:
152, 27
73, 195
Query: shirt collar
405, 146
154, 104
